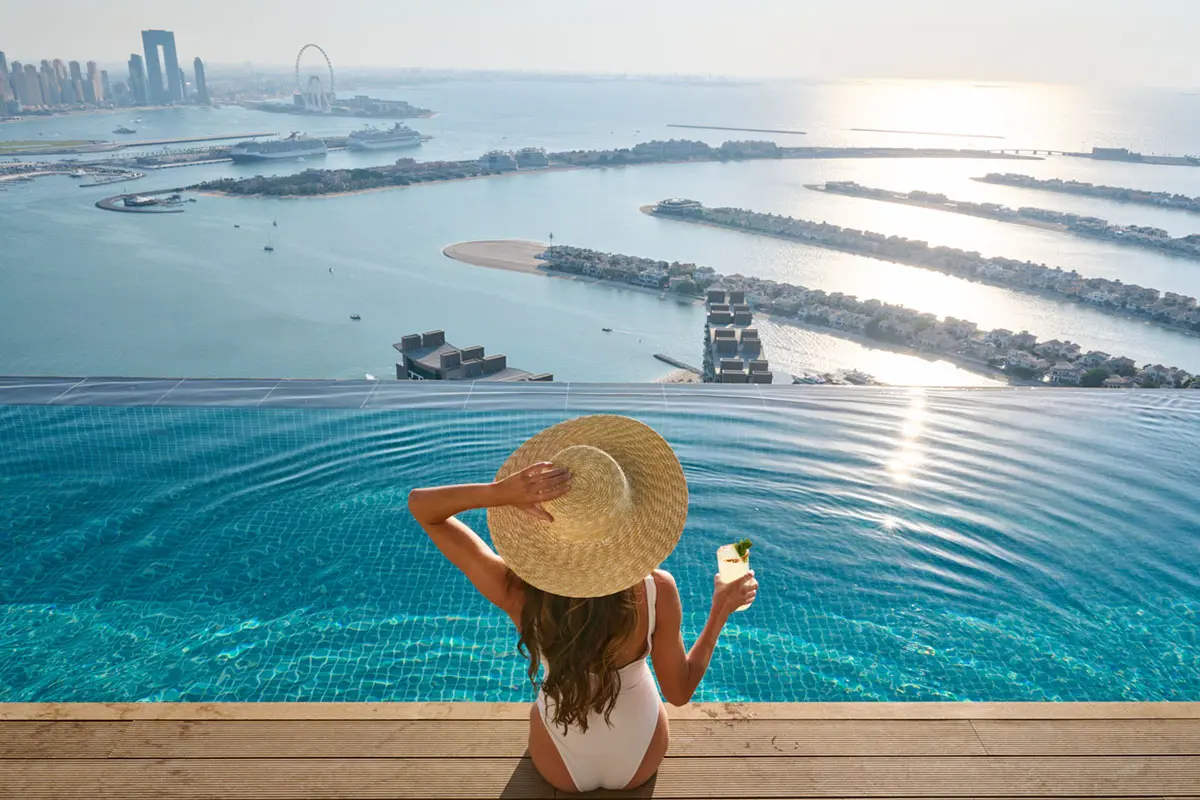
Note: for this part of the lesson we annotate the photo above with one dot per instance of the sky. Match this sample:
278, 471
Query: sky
1109, 42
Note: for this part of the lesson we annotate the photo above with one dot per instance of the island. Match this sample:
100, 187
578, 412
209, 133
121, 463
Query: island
407, 171
1020, 357
1180, 202
1091, 227
1168, 309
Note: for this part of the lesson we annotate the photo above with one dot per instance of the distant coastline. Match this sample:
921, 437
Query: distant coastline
408, 172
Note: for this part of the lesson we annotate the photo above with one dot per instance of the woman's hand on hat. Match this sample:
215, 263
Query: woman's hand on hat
532, 486
728, 596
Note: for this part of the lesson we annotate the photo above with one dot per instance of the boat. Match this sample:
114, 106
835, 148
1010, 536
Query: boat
355, 317
124, 130
294, 146
607, 330
372, 138
811, 380
268, 248
78, 174
236, 225
859, 378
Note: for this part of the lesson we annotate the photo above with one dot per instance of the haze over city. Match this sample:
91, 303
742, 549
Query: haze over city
1020, 40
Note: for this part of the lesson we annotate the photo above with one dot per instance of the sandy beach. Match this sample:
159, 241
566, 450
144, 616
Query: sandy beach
679, 376
516, 255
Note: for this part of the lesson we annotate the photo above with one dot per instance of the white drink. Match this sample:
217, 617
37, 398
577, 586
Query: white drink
731, 566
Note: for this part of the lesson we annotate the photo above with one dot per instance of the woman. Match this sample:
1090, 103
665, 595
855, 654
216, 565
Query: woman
581, 515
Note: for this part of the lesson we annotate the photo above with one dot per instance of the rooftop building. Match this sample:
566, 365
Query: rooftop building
735, 352
498, 161
429, 357
678, 205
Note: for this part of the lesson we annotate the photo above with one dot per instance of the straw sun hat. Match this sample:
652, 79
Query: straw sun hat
622, 517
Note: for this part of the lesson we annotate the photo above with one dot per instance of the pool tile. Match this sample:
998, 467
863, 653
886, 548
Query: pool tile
116, 392
528, 396
33, 391
216, 392
450, 395
318, 394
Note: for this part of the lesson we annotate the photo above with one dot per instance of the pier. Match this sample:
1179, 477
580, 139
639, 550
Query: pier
747, 130
675, 362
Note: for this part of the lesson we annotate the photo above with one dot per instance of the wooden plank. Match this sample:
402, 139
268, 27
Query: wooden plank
781, 738
461, 738
273, 779
513, 711
59, 739
803, 777
912, 777
1090, 737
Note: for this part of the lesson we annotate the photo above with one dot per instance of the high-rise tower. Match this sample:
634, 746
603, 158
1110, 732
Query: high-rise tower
172, 91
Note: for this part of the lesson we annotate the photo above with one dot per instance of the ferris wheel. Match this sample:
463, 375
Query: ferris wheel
316, 97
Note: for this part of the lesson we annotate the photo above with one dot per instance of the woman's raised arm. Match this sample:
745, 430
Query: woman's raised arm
435, 509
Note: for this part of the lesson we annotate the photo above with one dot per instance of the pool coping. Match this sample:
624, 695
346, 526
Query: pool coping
107, 712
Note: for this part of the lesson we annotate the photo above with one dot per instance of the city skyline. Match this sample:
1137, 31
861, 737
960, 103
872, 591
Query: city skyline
1025, 40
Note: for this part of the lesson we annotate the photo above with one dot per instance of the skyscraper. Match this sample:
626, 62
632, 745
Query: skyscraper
77, 88
93, 90
31, 87
51, 93
16, 79
201, 81
173, 91
5, 91
183, 85
137, 80
106, 92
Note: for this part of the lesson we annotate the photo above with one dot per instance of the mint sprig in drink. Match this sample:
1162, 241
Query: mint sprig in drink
733, 561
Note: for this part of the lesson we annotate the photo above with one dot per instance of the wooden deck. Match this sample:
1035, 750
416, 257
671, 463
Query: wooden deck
320, 751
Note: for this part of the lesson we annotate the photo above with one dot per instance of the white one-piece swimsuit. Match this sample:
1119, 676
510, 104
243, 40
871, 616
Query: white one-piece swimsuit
607, 755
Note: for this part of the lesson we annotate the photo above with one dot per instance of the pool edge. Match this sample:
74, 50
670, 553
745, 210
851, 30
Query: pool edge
79, 712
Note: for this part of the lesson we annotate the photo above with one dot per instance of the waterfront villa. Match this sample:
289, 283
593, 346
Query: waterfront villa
428, 357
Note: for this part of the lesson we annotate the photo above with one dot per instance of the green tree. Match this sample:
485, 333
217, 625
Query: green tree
1094, 377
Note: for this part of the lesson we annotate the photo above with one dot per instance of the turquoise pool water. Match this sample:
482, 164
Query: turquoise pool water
248, 541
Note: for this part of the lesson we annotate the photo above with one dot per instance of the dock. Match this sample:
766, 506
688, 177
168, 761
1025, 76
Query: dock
356, 751
674, 362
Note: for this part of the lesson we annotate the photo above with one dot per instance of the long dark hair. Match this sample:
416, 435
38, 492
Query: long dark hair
581, 639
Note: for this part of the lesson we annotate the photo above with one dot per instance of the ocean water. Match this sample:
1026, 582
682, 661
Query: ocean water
911, 544
85, 292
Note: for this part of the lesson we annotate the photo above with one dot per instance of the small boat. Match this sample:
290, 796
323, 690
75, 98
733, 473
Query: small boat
607, 330
355, 317
124, 130
371, 377
236, 225
274, 224
269, 248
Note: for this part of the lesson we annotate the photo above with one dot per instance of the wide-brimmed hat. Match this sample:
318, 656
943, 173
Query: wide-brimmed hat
622, 517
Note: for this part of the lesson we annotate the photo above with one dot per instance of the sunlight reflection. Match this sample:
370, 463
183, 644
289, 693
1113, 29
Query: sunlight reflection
910, 451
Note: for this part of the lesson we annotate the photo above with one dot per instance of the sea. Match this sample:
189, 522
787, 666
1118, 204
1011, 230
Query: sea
86, 292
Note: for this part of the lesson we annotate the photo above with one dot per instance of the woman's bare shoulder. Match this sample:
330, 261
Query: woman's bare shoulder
665, 582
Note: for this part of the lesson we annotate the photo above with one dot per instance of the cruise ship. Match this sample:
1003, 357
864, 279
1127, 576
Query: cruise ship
372, 138
294, 146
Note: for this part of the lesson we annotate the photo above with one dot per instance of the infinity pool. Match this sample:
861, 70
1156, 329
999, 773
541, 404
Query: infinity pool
237, 540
